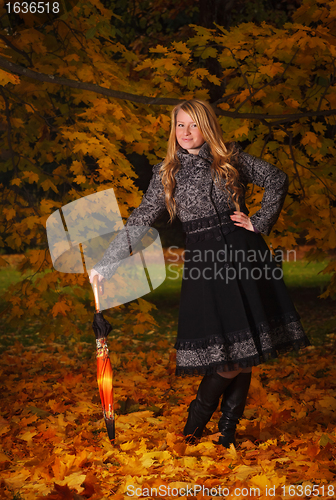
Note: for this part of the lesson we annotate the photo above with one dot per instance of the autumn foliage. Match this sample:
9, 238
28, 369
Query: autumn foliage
277, 96
75, 103
54, 443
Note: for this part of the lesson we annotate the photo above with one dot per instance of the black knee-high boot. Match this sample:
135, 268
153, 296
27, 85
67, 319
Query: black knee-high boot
232, 408
201, 409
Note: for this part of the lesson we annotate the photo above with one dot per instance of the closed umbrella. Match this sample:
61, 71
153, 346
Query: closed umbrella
102, 328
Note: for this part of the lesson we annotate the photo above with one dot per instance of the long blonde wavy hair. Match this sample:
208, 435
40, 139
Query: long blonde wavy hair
204, 117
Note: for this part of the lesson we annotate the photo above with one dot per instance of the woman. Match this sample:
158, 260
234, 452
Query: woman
235, 311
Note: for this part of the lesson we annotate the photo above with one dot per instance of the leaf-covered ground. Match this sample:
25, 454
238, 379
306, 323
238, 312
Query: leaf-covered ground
54, 444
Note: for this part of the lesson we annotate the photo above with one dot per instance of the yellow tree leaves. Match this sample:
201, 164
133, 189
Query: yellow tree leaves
70, 142
66, 146
271, 69
311, 139
6, 77
54, 443
48, 184
61, 307
140, 312
242, 132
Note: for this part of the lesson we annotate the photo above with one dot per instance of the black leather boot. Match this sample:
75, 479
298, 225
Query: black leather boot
232, 408
201, 409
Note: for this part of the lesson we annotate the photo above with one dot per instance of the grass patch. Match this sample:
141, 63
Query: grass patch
302, 274
296, 274
302, 278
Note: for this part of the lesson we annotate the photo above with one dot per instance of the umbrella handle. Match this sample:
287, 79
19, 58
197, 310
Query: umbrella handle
96, 292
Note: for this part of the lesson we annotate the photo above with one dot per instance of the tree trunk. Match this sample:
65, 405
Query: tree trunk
219, 12
215, 11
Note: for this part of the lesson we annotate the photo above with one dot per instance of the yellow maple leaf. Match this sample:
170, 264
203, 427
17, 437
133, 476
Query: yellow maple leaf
189, 461
242, 472
4, 429
60, 307
17, 122
19, 479
292, 103
16, 182
74, 480
8, 78
4, 458
9, 213
271, 69
328, 402
28, 436
80, 179
86, 74
31, 176
181, 47
159, 49
32, 221
310, 138
129, 445
209, 52
76, 167
49, 184
241, 131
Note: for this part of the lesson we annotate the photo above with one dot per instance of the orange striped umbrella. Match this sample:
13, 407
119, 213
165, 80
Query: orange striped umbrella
102, 328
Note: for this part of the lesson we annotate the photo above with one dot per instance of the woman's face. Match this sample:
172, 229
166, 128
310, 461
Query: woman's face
188, 135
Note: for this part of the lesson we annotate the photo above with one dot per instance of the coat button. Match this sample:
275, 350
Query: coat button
218, 238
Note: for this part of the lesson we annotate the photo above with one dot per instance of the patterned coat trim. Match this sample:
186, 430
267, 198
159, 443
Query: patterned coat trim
240, 349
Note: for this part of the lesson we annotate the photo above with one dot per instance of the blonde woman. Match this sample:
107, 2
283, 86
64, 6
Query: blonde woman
235, 311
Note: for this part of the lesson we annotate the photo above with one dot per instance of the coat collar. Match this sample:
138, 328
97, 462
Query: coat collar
203, 153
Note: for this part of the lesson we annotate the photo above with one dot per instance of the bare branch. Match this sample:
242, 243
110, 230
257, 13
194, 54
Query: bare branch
292, 117
319, 178
73, 32
240, 70
20, 70
273, 81
155, 101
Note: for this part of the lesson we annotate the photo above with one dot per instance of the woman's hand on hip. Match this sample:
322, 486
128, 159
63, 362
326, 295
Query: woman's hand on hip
242, 220
94, 273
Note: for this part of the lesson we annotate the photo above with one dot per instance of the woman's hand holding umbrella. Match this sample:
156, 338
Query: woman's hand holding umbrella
94, 273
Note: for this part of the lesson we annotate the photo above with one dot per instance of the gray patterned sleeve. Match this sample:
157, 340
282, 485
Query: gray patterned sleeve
150, 208
273, 180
